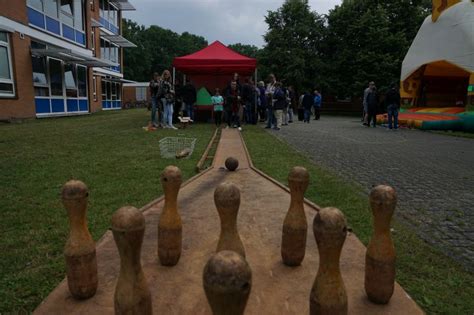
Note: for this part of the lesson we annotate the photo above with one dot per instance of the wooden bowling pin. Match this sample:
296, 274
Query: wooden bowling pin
170, 228
328, 295
227, 280
295, 226
227, 200
380, 256
131, 293
81, 263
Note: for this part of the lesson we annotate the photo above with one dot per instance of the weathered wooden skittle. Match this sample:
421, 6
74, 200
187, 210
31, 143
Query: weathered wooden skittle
79, 252
295, 226
380, 256
170, 228
227, 200
328, 295
227, 281
132, 295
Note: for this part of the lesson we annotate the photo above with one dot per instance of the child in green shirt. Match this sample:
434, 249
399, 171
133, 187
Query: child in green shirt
218, 102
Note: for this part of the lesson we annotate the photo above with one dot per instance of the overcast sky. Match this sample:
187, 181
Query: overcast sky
230, 21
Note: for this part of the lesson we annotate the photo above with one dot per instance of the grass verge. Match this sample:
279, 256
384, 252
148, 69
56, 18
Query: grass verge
438, 284
109, 151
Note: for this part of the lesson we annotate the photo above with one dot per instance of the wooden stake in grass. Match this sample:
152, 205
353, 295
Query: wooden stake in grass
81, 263
170, 228
295, 226
380, 256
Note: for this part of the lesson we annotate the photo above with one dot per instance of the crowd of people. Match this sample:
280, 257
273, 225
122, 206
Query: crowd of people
248, 103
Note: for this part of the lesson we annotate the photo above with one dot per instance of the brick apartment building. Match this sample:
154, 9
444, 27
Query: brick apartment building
60, 57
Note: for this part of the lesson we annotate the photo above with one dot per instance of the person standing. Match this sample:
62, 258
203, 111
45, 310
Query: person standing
262, 101
291, 109
218, 103
189, 96
167, 98
364, 103
155, 92
269, 94
392, 100
279, 99
247, 100
307, 102
372, 102
318, 100
232, 106
287, 105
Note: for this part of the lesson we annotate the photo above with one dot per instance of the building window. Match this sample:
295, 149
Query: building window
82, 81
51, 8
94, 87
140, 94
36, 4
70, 80
7, 87
40, 76
56, 77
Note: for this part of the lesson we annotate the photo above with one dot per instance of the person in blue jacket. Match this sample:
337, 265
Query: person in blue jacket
318, 100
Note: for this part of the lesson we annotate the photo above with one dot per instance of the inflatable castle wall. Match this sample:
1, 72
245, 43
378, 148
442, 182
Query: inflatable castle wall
438, 70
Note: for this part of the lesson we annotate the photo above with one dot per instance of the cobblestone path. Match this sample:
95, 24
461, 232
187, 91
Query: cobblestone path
433, 174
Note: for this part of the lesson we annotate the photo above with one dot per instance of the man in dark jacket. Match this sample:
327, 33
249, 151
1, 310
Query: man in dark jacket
279, 104
307, 103
189, 96
392, 100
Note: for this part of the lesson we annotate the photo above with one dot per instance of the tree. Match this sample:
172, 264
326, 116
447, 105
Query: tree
156, 48
293, 41
246, 50
367, 41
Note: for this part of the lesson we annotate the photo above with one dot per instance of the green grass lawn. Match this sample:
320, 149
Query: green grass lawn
109, 151
438, 285
120, 163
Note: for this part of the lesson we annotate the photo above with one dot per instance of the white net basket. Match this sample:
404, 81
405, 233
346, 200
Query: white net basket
171, 146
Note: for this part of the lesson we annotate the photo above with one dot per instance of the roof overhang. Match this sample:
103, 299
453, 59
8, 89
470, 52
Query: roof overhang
123, 5
5, 28
70, 56
119, 40
95, 23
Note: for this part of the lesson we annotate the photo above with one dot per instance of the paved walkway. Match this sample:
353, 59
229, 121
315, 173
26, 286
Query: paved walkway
433, 174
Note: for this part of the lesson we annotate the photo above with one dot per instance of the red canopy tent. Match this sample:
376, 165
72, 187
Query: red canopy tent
212, 67
215, 59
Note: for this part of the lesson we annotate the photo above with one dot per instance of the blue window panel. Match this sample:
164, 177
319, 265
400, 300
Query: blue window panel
42, 106
83, 105
106, 24
80, 38
53, 26
35, 18
57, 105
102, 21
104, 104
119, 104
114, 29
115, 104
68, 32
72, 105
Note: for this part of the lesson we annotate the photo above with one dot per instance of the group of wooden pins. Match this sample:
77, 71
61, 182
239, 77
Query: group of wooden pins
227, 277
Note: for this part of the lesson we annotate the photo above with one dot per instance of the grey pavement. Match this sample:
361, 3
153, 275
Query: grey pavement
433, 174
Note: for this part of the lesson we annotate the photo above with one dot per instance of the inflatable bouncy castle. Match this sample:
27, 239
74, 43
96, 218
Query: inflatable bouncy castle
437, 79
